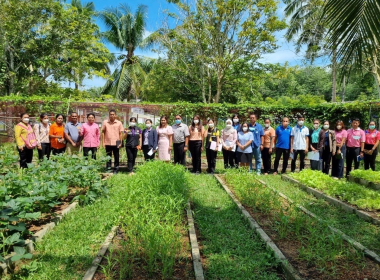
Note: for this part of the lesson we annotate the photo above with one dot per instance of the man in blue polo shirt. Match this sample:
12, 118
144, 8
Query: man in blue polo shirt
258, 142
282, 140
299, 143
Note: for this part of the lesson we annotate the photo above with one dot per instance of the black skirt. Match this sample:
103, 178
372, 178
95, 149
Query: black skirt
244, 157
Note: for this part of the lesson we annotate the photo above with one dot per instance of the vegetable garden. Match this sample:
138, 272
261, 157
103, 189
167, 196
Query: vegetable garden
145, 215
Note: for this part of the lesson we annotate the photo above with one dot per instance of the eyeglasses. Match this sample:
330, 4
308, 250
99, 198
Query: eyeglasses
177, 118
316, 123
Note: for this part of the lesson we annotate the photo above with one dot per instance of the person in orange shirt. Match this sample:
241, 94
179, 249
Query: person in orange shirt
266, 153
56, 134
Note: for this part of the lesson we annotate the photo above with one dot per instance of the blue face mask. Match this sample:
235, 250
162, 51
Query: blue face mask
177, 121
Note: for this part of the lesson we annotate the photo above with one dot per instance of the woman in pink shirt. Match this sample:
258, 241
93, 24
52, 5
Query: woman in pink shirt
372, 137
338, 159
229, 138
355, 145
91, 136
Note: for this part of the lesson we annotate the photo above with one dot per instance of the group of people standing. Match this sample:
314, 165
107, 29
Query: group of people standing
240, 143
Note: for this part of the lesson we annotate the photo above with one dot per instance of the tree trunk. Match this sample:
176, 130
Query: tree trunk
344, 88
375, 74
209, 80
203, 85
333, 68
219, 86
11, 72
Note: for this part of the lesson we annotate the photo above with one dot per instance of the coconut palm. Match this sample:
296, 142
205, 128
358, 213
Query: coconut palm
88, 7
126, 32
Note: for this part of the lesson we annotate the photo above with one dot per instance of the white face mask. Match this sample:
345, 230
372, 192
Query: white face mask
196, 121
267, 125
228, 126
25, 120
148, 125
45, 121
300, 122
132, 124
211, 125
316, 126
236, 120
245, 129
339, 127
326, 126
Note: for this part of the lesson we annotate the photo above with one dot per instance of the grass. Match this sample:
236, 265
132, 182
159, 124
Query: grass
231, 248
362, 231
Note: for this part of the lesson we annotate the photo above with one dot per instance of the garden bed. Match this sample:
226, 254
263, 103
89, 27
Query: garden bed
309, 244
367, 178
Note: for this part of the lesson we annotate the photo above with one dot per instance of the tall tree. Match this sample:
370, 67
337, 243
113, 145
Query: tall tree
126, 32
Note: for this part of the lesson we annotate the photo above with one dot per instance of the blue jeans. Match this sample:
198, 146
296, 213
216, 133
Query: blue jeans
256, 153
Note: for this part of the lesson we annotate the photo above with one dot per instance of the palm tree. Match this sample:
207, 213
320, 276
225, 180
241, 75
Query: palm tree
126, 32
88, 7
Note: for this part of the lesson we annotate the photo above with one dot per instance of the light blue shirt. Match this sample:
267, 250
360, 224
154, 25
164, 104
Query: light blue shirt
243, 138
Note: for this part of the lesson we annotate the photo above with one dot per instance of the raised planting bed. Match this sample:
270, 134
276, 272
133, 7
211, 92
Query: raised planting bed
311, 247
152, 241
367, 178
34, 200
229, 248
349, 196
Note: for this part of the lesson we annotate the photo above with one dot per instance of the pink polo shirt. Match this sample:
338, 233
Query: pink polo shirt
111, 132
372, 137
339, 135
91, 135
355, 137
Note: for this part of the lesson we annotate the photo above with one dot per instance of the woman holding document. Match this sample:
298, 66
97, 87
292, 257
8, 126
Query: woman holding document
149, 141
338, 159
327, 144
211, 145
315, 163
229, 137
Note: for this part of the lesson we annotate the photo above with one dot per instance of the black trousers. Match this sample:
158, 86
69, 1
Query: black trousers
236, 160
369, 160
285, 157
26, 156
195, 150
179, 153
338, 164
267, 161
58, 151
230, 159
45, 151
146, 150
326, 160
352, 156
87, 150
116, 154
302, 159
211, 160
131, 155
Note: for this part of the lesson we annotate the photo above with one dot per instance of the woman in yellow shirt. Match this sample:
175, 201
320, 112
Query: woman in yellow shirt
22, 129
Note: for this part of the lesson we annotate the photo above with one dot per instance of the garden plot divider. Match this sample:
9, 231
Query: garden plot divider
9, 265
289, 271
364, 182
338, 203
370, 254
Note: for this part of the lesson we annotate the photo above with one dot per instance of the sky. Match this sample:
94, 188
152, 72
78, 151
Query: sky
285, 52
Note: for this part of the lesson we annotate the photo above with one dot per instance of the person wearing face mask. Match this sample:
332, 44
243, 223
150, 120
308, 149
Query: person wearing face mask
314, 141
372, 137
327, 144
165, 139
57, 137
355, 145
133, 135
90, 134
340, 156
282, 141
266, 153
196, 143
211, 145
244, 144
258, 142
25, 139
41, 130
299, 143
180, 140
228, 141
236, 125
112, 138
149, 141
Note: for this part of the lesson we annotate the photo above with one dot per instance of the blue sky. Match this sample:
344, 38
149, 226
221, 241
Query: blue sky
285, 53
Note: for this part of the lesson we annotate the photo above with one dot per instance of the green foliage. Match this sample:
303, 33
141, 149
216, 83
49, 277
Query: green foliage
369, 175
350, 192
